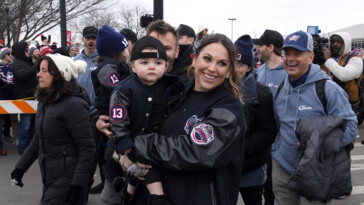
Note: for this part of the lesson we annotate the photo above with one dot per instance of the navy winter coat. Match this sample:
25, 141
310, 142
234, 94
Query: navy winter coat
322, 170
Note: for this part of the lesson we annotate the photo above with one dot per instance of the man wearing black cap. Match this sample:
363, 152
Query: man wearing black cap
272, 72
88, 55
131, 37
186, 35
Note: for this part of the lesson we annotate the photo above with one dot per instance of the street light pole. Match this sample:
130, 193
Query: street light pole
232, 26
7, 25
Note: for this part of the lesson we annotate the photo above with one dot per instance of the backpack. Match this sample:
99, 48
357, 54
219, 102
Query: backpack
320, 92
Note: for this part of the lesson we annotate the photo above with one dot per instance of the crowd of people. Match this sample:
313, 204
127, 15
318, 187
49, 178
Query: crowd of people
176, 117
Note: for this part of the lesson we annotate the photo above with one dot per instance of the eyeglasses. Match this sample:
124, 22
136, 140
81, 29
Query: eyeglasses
9, 54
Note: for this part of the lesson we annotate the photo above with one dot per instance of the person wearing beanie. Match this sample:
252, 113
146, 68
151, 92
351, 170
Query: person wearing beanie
63, 142
133, 96
25, 83
6, 93
260, 124
45, 41
111, 69
131, 37
34, 54
72, 50
45, 50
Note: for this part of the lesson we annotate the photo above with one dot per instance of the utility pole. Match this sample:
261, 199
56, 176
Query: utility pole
62, 9
232, 27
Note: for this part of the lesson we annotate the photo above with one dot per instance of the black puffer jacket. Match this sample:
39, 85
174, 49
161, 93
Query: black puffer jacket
63, 144
322, 170
25, 73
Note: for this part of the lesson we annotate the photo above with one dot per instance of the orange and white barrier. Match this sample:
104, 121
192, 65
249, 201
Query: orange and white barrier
18, 106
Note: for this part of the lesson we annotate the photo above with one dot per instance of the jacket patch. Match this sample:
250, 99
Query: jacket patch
118, 113
191, 122
113, 79
202, 134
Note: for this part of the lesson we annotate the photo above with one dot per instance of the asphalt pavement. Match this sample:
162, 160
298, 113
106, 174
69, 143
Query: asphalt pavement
30, 194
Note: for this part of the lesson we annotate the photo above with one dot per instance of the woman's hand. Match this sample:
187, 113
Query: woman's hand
103, 126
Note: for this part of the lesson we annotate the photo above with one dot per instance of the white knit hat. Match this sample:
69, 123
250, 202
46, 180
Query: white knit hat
67, 67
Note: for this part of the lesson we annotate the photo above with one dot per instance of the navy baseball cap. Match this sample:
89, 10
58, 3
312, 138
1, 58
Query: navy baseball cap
299, 40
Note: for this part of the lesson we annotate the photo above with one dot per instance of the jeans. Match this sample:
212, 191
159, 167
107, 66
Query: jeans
26, 131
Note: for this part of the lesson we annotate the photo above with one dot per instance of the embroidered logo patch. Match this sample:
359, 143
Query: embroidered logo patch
304, 107
202, 134
113, 79
294, 38
191, 122
118, 113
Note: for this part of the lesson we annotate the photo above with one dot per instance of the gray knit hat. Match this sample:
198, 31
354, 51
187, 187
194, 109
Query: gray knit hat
4, 51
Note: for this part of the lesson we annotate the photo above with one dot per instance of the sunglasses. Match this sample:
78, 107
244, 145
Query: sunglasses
9, 54
27, 50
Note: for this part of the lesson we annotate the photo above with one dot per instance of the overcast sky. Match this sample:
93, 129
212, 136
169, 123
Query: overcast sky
254, 16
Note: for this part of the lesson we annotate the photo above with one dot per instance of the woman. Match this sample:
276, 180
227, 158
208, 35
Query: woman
260, 125
63, 141
201, 145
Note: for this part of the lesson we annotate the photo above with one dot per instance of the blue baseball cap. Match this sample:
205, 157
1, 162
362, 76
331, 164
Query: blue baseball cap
299, 40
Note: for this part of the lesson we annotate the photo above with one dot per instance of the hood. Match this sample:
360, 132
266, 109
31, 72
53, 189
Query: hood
18, 52
315, 74
347, 42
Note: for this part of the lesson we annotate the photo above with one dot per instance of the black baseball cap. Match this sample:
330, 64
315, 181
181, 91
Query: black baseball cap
90, 31
186, 30
129, 34
145, 41
270, 37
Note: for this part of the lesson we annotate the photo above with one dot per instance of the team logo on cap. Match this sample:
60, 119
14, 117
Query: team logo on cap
113, 79
118, 113
202, 134
191, 122
294, 38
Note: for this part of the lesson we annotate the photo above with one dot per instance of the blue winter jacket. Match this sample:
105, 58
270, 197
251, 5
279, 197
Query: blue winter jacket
85, 78
301, 102
271, 77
